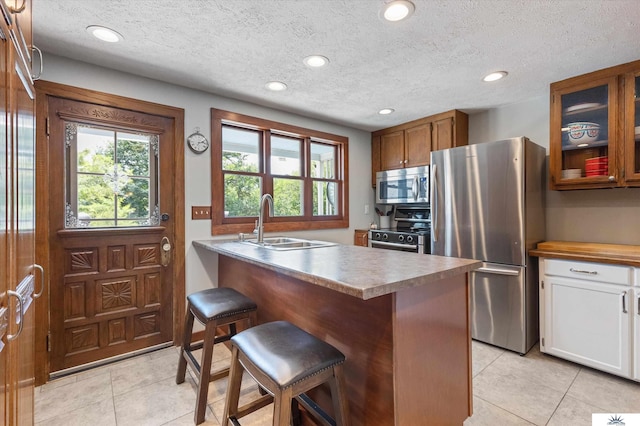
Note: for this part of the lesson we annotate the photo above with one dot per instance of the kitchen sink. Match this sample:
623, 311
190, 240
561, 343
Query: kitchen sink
286, 243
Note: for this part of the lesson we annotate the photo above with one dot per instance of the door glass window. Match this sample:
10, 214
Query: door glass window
111, 178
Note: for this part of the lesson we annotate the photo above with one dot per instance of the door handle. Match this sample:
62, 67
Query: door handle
434, 194
165, 251
497, 271
41, 269
11, 337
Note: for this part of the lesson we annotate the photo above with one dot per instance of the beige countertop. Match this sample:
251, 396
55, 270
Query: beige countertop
361, 272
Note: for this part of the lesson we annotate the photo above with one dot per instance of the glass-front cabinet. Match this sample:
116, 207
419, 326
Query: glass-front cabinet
632, 128
595, 130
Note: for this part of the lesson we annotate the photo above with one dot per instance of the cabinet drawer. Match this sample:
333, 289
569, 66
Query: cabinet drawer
590, 271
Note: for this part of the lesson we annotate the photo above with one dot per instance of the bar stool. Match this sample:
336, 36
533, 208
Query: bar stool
287, 362
214, 307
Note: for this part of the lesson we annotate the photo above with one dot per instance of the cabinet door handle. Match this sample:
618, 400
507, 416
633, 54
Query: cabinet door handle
580, 271
40, 60
638, 310
624, 302
41, 269
11, 337
18, 9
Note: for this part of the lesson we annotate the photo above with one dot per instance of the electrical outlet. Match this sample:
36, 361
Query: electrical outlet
366, 209
200, 212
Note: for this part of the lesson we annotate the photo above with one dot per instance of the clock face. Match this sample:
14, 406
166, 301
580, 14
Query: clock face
197, 143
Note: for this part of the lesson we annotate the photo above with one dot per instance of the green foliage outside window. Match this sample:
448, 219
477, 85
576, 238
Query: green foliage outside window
107, 189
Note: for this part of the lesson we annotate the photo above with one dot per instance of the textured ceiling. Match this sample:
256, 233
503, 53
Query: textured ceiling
430, 63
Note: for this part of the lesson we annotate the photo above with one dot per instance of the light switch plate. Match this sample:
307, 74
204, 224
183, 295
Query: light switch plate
200, 212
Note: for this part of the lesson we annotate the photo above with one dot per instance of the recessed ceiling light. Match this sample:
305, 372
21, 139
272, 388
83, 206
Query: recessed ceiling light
316, 61
495, 76
386, 111
276, 86
397, 10
105, 34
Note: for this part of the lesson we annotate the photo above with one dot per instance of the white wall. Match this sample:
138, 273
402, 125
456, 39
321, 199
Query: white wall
201, 268
597, 215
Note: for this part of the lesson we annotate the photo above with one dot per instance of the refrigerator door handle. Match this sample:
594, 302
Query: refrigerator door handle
434, 203
498, 271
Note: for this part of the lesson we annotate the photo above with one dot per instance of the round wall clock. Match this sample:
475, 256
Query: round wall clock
197, 142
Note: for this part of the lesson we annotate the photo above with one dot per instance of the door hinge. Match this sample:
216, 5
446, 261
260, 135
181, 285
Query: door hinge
542, 284
47, 125
48, 342
543, 341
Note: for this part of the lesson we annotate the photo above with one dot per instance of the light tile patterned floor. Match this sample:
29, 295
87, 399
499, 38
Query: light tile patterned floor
508, 390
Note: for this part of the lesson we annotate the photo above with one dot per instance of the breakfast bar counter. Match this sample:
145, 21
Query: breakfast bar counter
401, 319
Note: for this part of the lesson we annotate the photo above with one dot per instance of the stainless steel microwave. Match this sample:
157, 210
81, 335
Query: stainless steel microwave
403, 186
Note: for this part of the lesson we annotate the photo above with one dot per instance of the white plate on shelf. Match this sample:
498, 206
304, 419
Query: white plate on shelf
637, 130
580, 107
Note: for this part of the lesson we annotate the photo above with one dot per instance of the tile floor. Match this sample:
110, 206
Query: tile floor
508, 390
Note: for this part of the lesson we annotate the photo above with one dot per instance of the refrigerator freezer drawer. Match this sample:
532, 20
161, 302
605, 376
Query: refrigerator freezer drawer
499, 301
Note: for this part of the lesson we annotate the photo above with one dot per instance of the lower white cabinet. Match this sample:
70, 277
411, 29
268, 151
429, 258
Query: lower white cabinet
636, 331
587, 315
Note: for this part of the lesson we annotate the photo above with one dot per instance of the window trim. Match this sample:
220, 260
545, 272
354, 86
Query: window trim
221, 225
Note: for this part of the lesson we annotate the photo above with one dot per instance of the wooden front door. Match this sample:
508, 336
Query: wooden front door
111, 231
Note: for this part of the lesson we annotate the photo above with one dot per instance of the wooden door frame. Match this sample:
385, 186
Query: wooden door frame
44, 89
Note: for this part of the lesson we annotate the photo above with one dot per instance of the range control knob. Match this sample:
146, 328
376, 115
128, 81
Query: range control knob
401, 238
377, 237
385, 237
409, 238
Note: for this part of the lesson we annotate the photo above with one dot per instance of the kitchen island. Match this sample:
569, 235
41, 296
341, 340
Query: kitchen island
401, 319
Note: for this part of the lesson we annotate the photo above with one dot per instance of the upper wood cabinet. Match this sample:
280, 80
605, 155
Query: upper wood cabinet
595, 130
410, 144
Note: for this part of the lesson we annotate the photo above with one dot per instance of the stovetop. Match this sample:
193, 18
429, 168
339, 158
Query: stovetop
413, 226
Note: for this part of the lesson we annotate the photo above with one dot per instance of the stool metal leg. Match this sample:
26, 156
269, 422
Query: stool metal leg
186, 343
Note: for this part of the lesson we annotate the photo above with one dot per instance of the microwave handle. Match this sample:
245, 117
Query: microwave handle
415, 188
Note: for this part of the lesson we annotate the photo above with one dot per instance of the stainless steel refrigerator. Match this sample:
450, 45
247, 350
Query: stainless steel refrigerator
487, 203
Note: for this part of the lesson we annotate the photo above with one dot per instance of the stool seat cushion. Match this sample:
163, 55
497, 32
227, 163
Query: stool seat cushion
215, 303
286, 353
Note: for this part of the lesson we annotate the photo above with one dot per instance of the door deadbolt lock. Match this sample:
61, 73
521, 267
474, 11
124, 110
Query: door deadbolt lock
165, 252
164, 217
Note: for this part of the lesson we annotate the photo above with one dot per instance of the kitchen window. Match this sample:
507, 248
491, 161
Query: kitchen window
304, 170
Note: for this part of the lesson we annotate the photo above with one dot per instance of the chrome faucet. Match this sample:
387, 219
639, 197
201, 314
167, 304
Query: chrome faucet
266, 198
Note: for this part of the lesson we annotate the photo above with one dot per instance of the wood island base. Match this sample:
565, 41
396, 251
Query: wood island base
408, 352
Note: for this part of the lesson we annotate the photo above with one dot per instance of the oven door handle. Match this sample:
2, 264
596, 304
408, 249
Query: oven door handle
404, 246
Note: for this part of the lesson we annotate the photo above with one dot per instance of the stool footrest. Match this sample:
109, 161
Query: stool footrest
315, 410
249, 408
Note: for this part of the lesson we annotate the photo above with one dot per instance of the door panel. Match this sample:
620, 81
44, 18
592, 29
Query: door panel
5, 208
478, 202
110, 293
22, 244
497, 306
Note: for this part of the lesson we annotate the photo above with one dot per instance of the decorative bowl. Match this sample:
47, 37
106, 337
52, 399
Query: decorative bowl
583, 132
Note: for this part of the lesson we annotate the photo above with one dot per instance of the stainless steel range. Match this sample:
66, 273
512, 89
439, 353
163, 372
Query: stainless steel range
412, 232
